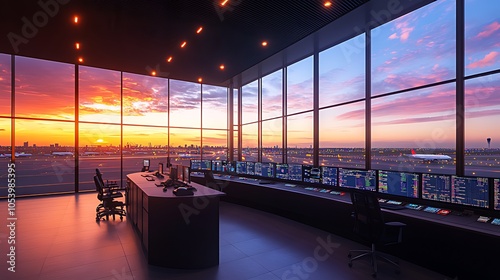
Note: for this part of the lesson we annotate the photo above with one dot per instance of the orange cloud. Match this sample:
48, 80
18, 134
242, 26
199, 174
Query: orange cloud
490, 29
488, 60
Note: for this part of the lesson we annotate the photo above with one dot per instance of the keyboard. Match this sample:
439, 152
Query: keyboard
392, 206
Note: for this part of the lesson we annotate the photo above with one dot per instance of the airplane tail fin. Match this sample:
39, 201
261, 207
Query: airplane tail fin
413, 152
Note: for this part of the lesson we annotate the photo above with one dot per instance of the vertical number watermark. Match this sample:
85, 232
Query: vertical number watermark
11, 217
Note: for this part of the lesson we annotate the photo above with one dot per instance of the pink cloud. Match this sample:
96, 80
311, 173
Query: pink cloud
393, 36
405, 31
488, 60
490, 29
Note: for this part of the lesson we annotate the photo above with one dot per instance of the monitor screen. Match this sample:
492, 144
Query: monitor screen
195, 164
295, 172
311, 174
250, 168
470, 191
145, 163
265, 169
329, 175
358, 179
186, 174
282, 171
218, 165
241, 167
436, 187
496, 188
398, 183
229, 167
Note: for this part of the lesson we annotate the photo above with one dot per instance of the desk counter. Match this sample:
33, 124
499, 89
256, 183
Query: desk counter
175, 231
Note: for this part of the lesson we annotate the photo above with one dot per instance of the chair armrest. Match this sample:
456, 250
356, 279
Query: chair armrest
399, 227
395, 224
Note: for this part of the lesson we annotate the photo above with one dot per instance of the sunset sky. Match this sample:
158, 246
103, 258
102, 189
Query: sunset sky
413, 50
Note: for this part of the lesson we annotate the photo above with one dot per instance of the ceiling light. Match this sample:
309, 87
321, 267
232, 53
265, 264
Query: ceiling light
77, 46
76, 19
80, 59
199, 30
327, 4
264, 43
153, 73
183, 44
224, 2
200, 80
169, 59
222, 67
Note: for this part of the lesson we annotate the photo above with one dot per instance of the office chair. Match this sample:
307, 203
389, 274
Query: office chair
108, 205
211, 182
369, 225
108, 184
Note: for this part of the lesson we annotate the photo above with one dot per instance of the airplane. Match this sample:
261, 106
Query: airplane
62, 153
427, 157
16, 155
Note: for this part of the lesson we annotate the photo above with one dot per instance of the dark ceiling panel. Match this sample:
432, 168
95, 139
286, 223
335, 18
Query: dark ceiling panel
138, 35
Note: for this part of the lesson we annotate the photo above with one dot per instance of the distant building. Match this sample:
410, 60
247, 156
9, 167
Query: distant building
26, 145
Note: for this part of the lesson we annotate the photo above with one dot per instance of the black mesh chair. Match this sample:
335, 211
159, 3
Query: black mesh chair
211, 182
108, 206
369, 225
108, 184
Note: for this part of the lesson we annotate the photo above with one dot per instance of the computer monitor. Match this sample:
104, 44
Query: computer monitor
160, 168
173, 173
398, 183
436, 187
311, 174
265, 169
329, 175
230, 167
145, 165
496, 190
357, 179
471, 191
186, 174
282, 171
218, 165
195, 164
250, 168
200, 165
295, 172
241, 167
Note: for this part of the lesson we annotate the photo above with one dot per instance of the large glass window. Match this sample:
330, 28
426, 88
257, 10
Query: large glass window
272, 140
342, 72
482, 138
4, 149
272, 96
44, 89
415, 49
140, 142
482, 34
249, 142
214, 107
249, 102
415, 131
100, 98
185, 145
214, 144
5, 85
145, 100
185, 104
99, 148
44, 157
300, 86
300, 138
342, 136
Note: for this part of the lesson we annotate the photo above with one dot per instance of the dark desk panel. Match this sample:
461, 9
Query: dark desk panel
176, 231
456, 246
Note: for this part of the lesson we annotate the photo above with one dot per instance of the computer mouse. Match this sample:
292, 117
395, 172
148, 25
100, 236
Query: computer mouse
182, 191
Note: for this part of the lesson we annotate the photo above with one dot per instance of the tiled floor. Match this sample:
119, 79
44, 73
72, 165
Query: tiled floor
57, 238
